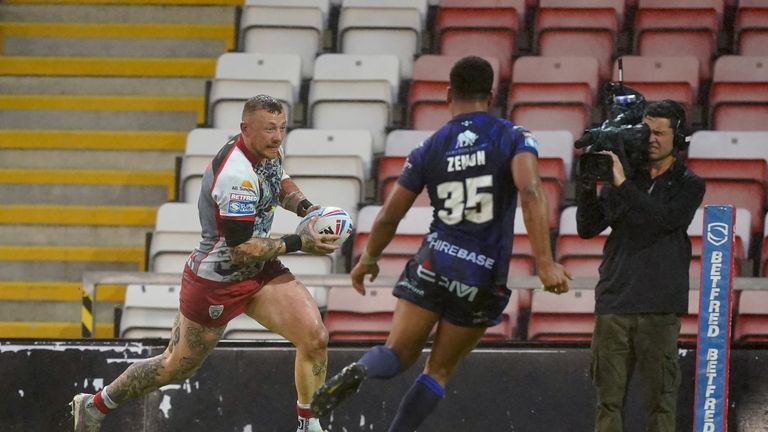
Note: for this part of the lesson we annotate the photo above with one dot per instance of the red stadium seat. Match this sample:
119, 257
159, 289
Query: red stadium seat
746, 169
487, 28
751, 28
751, 322
658, 78
389, 170
553, 93
565, 317
507, 328
429, 115
741, 194
351, 316
671, 27
588, 28
738, 98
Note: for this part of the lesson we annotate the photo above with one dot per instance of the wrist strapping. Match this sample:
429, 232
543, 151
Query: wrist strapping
303, 206
292, 242
366, 259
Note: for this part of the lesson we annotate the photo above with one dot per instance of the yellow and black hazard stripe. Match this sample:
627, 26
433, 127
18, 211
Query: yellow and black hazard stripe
86, 315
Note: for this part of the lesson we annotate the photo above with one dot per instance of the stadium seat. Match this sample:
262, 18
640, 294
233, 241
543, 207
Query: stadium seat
242, 75
373, 27
507, 328
351, 316
565, 317
322, 144
738, 99
764, 251
707, 144
176, 235
285, 26
400, 142
149, 311
658, 78
427, 104
582, 257
553, 93
745, 169
740, 194
201, 146
751, 321
556, 145
581, 29
354, 92
751, 28
408, 237
389, 171
487, 28
672, 27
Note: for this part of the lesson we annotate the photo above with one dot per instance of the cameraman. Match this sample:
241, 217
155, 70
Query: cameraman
643, 283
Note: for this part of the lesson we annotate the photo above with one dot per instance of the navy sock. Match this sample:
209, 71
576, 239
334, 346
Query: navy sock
380, 362
417, 404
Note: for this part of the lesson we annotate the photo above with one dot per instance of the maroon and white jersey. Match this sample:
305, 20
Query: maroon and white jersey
235, 186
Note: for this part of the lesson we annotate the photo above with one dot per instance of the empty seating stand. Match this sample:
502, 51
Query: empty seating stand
427, 102
242, 75
201, 146
486, 28
658, 78
751, 321
738, 99
354, 92
553, 93
285, 27
393, 27
751, 28
672, 27
565, 317
176, 235
351, 316
585, 28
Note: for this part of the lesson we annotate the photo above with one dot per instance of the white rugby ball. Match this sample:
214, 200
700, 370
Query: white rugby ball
331, 220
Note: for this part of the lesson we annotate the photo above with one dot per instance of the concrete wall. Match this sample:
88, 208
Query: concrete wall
248, 388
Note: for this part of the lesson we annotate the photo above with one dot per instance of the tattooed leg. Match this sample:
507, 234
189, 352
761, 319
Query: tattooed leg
286, 307
189, 346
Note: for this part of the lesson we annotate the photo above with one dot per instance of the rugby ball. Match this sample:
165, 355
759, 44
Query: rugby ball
331, 220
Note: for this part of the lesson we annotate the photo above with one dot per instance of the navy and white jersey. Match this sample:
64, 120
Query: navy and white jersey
465, 167
235, 186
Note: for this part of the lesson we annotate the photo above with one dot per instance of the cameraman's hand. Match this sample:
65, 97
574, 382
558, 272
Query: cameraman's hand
618, 169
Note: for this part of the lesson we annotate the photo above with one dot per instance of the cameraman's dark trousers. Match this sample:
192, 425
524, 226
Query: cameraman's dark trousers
622, 343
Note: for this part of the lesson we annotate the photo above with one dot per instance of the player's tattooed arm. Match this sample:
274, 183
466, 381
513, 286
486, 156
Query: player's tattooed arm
292, 199
257, 249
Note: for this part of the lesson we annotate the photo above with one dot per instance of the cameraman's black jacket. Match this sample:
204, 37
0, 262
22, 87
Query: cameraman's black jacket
647, 255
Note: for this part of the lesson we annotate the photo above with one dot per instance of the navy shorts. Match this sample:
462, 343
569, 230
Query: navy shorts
460, 304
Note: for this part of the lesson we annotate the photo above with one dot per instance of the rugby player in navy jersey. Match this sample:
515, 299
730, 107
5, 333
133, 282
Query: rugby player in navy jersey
473, 168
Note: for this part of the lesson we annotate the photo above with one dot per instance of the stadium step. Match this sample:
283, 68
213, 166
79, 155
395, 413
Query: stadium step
105, 112
61, 225
106, 66
92, 139
40, 263
148, 86
116, 39
129, 11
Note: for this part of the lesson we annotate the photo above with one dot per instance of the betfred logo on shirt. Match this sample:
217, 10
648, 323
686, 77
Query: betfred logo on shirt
242, 197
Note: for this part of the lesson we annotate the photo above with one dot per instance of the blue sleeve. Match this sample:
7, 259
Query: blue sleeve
523, 141
412, 176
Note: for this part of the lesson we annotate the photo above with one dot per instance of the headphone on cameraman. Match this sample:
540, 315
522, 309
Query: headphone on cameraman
677, 122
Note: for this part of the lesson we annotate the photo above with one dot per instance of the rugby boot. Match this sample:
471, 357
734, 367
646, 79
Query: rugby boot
84, 414
309, 425
337, 389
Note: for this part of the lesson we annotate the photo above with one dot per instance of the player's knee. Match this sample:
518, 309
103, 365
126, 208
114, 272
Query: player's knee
316, 340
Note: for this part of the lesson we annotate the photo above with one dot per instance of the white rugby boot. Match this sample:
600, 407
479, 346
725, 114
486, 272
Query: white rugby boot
86, 416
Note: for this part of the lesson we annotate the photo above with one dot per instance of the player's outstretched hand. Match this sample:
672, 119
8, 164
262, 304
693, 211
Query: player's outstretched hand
555, 278
358, 275
315, 243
